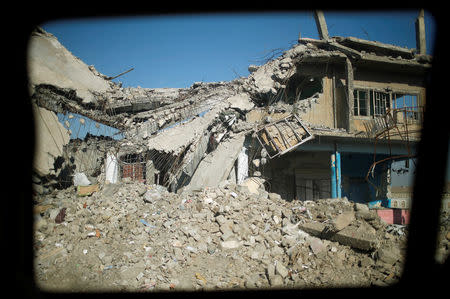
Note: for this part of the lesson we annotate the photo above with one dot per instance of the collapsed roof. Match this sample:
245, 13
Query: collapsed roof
176, 125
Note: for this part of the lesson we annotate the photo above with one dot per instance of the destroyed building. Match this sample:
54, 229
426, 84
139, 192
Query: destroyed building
331, 117
278, 179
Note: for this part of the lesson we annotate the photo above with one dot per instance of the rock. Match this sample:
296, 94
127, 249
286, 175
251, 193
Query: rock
359, 207
276, 281
242, 188
270, 270
252, 68
133, 272
274, 196
388, 255
317, 245
39, 223
254, 184
220, 219
241, 101
230, 244
80, 179
61, 216
281, 270
264, 153
343, 220
263, 194
256, 162
141, 190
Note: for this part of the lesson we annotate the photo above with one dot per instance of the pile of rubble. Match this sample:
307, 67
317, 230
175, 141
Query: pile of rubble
135, 237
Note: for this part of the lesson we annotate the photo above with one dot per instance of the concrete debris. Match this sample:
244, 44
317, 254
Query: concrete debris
343, 220
173, 130
241, 101
116, 239
181, 202
216, 166
80, 179
50, 62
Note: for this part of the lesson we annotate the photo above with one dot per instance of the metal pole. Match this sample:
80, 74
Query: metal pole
338, 174
333, 176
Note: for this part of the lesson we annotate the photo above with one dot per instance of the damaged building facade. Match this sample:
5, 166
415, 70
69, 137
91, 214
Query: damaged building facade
331, 117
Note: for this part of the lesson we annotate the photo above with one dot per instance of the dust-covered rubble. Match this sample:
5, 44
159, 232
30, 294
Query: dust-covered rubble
134, 237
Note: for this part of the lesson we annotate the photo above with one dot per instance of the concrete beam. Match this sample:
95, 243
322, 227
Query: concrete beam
349, 236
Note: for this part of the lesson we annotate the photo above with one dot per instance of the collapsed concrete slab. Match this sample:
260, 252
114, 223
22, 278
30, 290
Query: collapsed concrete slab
179, 137
51, 136
216, 166
51, 63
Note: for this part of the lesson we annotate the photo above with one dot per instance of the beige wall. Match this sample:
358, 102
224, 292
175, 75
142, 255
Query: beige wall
321, 113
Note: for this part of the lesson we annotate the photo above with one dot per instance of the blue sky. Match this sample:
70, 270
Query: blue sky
178, 50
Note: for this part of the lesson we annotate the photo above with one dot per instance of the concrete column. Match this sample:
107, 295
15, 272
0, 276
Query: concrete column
321, 24
349, 92
420, 34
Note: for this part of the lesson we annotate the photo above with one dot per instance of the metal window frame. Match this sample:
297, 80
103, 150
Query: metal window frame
285, 120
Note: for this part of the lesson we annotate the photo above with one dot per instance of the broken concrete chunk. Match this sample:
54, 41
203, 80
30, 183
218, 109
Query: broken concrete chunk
348, 236
256, 162
343, 220
253, 68
80, 179
388, 255
230, 244
152, 195
317, 245
274, 196
281, 269
241, 101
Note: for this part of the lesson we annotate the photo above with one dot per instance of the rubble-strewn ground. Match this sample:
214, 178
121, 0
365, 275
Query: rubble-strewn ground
133, 237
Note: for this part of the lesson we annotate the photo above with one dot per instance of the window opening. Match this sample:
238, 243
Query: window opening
408, 103
360, 102
381, 102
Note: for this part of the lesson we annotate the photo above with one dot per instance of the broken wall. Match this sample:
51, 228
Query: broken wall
50, 136
322, 111
299, 175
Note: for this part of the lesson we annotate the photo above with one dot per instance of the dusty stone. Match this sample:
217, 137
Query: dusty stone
274, 196
131, 273
388, 255
256, 162
230, 244
276, 280
317, 245
281, 270
343, 220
